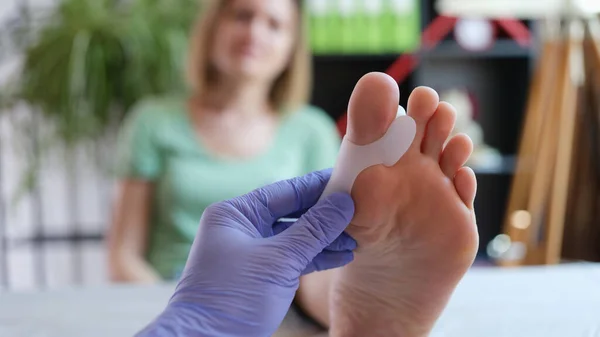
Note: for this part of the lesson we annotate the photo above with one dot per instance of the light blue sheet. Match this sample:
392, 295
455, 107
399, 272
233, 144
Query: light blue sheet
561, 301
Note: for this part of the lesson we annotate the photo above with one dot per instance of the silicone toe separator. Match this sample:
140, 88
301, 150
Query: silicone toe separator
353, 159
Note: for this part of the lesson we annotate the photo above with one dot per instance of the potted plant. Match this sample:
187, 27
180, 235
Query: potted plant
86, 62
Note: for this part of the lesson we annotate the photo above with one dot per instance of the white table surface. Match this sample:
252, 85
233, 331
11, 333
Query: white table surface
561, 301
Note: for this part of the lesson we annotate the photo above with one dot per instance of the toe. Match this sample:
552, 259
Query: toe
422, 104
438, 130
455, 154
466, 185
372, 108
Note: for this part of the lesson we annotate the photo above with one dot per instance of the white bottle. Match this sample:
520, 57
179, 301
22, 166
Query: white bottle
373, 8
347, 7
403, 7
317, 8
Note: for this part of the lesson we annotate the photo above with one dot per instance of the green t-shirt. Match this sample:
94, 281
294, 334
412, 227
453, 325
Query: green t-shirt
158, 144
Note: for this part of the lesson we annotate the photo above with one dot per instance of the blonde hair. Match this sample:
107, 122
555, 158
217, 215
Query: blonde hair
289, 91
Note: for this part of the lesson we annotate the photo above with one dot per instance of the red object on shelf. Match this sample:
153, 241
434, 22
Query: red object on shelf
516, 30
432, 35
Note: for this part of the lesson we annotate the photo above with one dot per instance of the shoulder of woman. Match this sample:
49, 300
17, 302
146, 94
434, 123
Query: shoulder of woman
156, 110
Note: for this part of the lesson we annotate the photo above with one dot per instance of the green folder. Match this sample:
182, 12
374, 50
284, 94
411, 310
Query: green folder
372, 30
402, 25
318, 14
349, 32
363, 26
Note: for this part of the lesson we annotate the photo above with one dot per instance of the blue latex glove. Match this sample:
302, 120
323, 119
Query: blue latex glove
244, 267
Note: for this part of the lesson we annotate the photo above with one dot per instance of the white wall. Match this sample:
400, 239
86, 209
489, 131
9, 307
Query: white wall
91, 208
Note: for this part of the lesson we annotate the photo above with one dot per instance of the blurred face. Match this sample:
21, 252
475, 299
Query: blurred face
254, 39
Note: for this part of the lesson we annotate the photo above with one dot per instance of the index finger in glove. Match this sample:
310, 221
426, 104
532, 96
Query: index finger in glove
289, 196
344, 242
318, 228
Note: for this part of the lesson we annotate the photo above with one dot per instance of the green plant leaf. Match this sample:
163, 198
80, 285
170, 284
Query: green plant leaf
89, 61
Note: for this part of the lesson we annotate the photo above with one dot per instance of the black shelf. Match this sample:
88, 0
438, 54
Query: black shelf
319, 58
500, 49
448, 49
497, 78
499, 87
493, 191
336, 76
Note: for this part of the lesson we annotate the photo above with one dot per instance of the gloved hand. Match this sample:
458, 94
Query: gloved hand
244, 266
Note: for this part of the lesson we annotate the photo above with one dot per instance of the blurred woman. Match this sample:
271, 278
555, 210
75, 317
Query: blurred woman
244, 124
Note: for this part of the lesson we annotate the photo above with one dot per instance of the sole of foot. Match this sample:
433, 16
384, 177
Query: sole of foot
414, 222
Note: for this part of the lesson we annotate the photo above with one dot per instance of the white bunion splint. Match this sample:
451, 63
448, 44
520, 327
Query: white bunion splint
353, 159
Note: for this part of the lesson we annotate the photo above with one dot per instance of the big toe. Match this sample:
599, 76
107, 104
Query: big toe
372, 108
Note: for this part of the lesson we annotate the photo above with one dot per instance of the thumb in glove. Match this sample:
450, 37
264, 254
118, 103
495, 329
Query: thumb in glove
320, 227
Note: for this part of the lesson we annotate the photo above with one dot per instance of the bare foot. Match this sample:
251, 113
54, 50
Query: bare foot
414, 222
